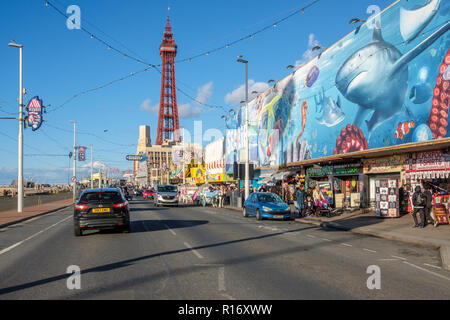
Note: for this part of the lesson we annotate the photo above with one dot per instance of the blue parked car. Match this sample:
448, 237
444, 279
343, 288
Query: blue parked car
266, 205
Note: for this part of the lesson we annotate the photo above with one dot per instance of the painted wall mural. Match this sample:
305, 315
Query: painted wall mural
387, 83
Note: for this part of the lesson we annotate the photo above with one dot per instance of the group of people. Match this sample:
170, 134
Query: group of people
421, 202
307, 202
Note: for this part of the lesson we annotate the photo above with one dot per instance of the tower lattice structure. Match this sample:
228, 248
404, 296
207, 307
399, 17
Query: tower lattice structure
168, 121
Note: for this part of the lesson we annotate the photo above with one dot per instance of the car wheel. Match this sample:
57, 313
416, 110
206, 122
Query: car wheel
78, 232
244, 213
126, 228
258, 215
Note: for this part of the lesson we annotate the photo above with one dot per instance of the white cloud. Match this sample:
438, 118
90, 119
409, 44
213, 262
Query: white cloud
236, 96
187, 111
96, 165
204, 93
147, 107
309, 53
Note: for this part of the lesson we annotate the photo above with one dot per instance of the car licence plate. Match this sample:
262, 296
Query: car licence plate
101, 210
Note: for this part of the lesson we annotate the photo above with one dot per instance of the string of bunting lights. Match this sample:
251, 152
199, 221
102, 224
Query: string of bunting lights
202, 54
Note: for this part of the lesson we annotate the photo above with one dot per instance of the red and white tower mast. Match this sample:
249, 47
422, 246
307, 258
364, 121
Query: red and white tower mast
168, 121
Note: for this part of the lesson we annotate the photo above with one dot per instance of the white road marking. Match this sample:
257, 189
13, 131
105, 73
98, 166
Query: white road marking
168, 228
387, 259
194, 251
227, 296
31, 237
368, 250
426, 270
346, 244
310, 236
324, 239
221, 279
398, 257
433, 266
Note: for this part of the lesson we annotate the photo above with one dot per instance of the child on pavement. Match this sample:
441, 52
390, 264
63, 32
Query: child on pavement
309, 206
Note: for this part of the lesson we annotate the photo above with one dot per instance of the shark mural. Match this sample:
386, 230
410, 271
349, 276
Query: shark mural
376, 77
331, 111
393, 70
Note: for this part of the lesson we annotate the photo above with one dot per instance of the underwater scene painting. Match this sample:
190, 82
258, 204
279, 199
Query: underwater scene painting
387, 83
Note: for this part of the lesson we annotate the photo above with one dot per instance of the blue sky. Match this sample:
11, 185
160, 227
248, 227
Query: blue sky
59, 63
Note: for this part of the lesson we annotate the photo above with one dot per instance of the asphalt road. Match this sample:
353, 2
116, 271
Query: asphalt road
204, 253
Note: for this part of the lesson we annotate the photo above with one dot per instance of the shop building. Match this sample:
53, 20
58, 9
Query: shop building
428, 168
385, 177
342, 184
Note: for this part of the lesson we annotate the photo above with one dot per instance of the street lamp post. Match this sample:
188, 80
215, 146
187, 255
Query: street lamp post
74, 181
92, 166
247, 166
20, 147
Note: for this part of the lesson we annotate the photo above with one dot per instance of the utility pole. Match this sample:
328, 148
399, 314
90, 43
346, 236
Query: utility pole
92, 166
74, 177
184, 164
20, 147
247, 163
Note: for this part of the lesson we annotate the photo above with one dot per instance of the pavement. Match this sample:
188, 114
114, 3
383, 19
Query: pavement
191, 253
12, 217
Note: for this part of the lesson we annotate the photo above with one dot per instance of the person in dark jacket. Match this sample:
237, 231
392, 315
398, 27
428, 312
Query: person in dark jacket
419, 202
428, 206
300, 198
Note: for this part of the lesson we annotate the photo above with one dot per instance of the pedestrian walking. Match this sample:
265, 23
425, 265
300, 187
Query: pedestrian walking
300, 198
429, 206
419, 202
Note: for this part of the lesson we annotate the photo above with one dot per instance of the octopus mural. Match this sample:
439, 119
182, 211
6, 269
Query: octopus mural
383, 85
438, 120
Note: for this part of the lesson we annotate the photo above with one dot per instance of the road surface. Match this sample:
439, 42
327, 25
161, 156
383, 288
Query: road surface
205, 253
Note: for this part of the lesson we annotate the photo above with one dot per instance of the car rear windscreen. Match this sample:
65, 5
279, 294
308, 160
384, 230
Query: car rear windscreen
167, 189
111, 197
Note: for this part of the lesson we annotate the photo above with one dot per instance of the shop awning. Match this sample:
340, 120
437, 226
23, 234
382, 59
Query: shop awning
277, 176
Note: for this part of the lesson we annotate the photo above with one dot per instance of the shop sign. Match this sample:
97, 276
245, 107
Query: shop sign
198, 175
327, 191
427, 161
319, 172
384, 165
347, 170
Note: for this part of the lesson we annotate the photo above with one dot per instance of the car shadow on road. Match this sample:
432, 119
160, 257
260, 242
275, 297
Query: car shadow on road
147, 209
158, 225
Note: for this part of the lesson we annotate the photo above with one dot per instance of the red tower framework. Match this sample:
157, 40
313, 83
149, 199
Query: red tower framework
168, 121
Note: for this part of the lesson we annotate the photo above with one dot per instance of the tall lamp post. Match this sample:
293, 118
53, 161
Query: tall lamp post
92, 166
74, 177
20, 147
247, 166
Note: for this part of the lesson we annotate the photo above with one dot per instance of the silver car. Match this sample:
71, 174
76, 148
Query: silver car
166, 195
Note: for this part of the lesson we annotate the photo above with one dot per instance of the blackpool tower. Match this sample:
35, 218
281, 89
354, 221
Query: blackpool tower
168, 122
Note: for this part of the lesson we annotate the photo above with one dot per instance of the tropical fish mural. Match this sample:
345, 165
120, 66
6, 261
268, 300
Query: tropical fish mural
384, 85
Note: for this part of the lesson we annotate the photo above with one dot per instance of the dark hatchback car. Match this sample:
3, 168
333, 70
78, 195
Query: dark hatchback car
101, 209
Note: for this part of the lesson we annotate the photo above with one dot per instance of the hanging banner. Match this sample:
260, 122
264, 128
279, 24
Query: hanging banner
34, 117
81, 153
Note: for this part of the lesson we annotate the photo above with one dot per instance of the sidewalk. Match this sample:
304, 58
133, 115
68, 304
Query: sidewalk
11, 217
397, 229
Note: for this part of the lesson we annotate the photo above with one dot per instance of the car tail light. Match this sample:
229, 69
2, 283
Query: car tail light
120, 205
81, 207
